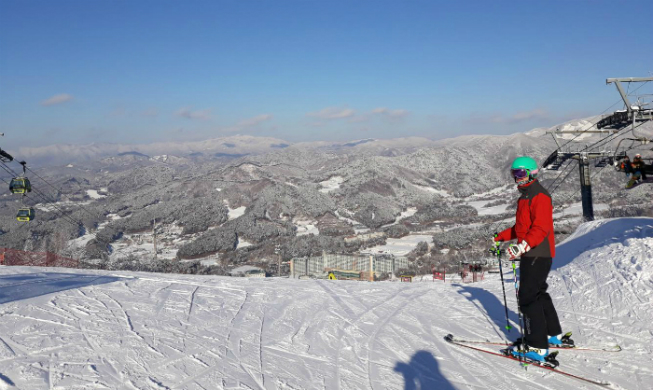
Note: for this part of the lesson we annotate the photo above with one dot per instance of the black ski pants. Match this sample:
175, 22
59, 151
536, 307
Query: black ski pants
540, 317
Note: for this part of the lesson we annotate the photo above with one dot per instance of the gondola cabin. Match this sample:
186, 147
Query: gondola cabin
20, 185
25, 214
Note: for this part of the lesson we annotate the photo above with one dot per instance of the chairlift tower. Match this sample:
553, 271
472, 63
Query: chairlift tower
609, 124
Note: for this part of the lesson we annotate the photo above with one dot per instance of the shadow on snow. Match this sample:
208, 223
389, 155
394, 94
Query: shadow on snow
422, 372
16, 287
493, 308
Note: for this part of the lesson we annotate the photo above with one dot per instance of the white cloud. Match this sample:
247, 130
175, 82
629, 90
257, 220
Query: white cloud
57, 99
249, 123
535, 115
186, 112
330, 113
390, 113
255, 120
380, 112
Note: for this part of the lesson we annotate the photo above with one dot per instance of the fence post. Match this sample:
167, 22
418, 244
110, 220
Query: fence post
49, 259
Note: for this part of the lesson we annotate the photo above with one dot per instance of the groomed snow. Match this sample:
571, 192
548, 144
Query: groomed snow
82, 329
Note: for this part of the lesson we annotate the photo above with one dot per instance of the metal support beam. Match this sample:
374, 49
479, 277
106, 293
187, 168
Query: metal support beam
623, 94
628, 79
586, 187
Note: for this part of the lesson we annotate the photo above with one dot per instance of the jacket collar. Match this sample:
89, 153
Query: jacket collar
524, 187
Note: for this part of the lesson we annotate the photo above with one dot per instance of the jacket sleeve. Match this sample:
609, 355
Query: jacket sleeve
542, 220
507, 235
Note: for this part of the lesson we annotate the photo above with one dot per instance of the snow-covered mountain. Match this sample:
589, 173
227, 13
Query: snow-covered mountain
339, 189
81, 329
238, 145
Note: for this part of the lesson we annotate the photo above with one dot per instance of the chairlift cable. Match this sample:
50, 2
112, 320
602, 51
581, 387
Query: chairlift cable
63, 213
593, 124
52, 199
562, 172
603, 141
571, 169
56, 189
43, 196
74, 223
596, 173
563, 180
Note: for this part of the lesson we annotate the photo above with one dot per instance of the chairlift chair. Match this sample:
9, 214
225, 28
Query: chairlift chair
20, 185
25, 214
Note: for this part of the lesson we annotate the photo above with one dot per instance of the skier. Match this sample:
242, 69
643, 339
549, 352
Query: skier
533, 231
639, 166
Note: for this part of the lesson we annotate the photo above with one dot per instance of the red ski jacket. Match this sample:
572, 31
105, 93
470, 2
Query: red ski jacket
534, 221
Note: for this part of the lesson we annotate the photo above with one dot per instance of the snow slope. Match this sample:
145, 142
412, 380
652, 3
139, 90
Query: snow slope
83, 329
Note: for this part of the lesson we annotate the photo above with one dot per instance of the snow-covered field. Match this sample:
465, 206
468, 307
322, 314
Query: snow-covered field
442, 193
305, 227
577, 209
235, 213
480, 206
401, 246
332, 184
409, 212
83, 329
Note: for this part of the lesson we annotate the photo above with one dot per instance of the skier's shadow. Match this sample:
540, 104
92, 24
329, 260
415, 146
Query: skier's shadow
494, 308
422, 372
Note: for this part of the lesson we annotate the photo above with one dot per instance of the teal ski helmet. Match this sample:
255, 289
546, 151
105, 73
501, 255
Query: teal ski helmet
523, 167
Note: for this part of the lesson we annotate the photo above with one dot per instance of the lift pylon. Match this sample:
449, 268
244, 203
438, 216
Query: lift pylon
611, 123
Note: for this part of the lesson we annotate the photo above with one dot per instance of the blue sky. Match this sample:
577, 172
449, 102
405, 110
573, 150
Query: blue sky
143, 71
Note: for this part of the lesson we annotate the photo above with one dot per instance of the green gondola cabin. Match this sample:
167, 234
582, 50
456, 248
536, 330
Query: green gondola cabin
25, 214
20, 185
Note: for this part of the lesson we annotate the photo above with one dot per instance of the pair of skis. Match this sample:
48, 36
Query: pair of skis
604, 348
550, 365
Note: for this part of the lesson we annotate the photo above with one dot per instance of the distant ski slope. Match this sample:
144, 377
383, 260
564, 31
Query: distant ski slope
80, 329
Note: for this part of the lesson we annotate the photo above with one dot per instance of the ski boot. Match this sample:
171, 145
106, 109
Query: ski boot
538, 356
562, 341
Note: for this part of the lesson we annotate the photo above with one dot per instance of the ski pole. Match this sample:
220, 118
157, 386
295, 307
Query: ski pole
521, 319
497, 252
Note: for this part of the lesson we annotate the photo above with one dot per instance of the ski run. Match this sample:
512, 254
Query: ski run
86, 329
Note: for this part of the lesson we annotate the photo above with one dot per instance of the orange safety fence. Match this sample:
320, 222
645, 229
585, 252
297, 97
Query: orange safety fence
10, 256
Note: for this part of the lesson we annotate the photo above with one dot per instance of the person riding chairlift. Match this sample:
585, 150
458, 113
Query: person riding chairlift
639, 166
627, 166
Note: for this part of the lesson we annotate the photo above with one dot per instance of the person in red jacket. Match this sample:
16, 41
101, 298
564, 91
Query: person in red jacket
535, 247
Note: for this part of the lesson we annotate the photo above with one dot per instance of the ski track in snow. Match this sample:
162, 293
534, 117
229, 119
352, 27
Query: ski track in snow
87, 329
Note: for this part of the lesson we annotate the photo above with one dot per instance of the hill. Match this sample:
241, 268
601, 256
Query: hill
80, 329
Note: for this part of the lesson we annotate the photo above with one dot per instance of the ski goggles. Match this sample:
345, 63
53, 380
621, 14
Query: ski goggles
519, 173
